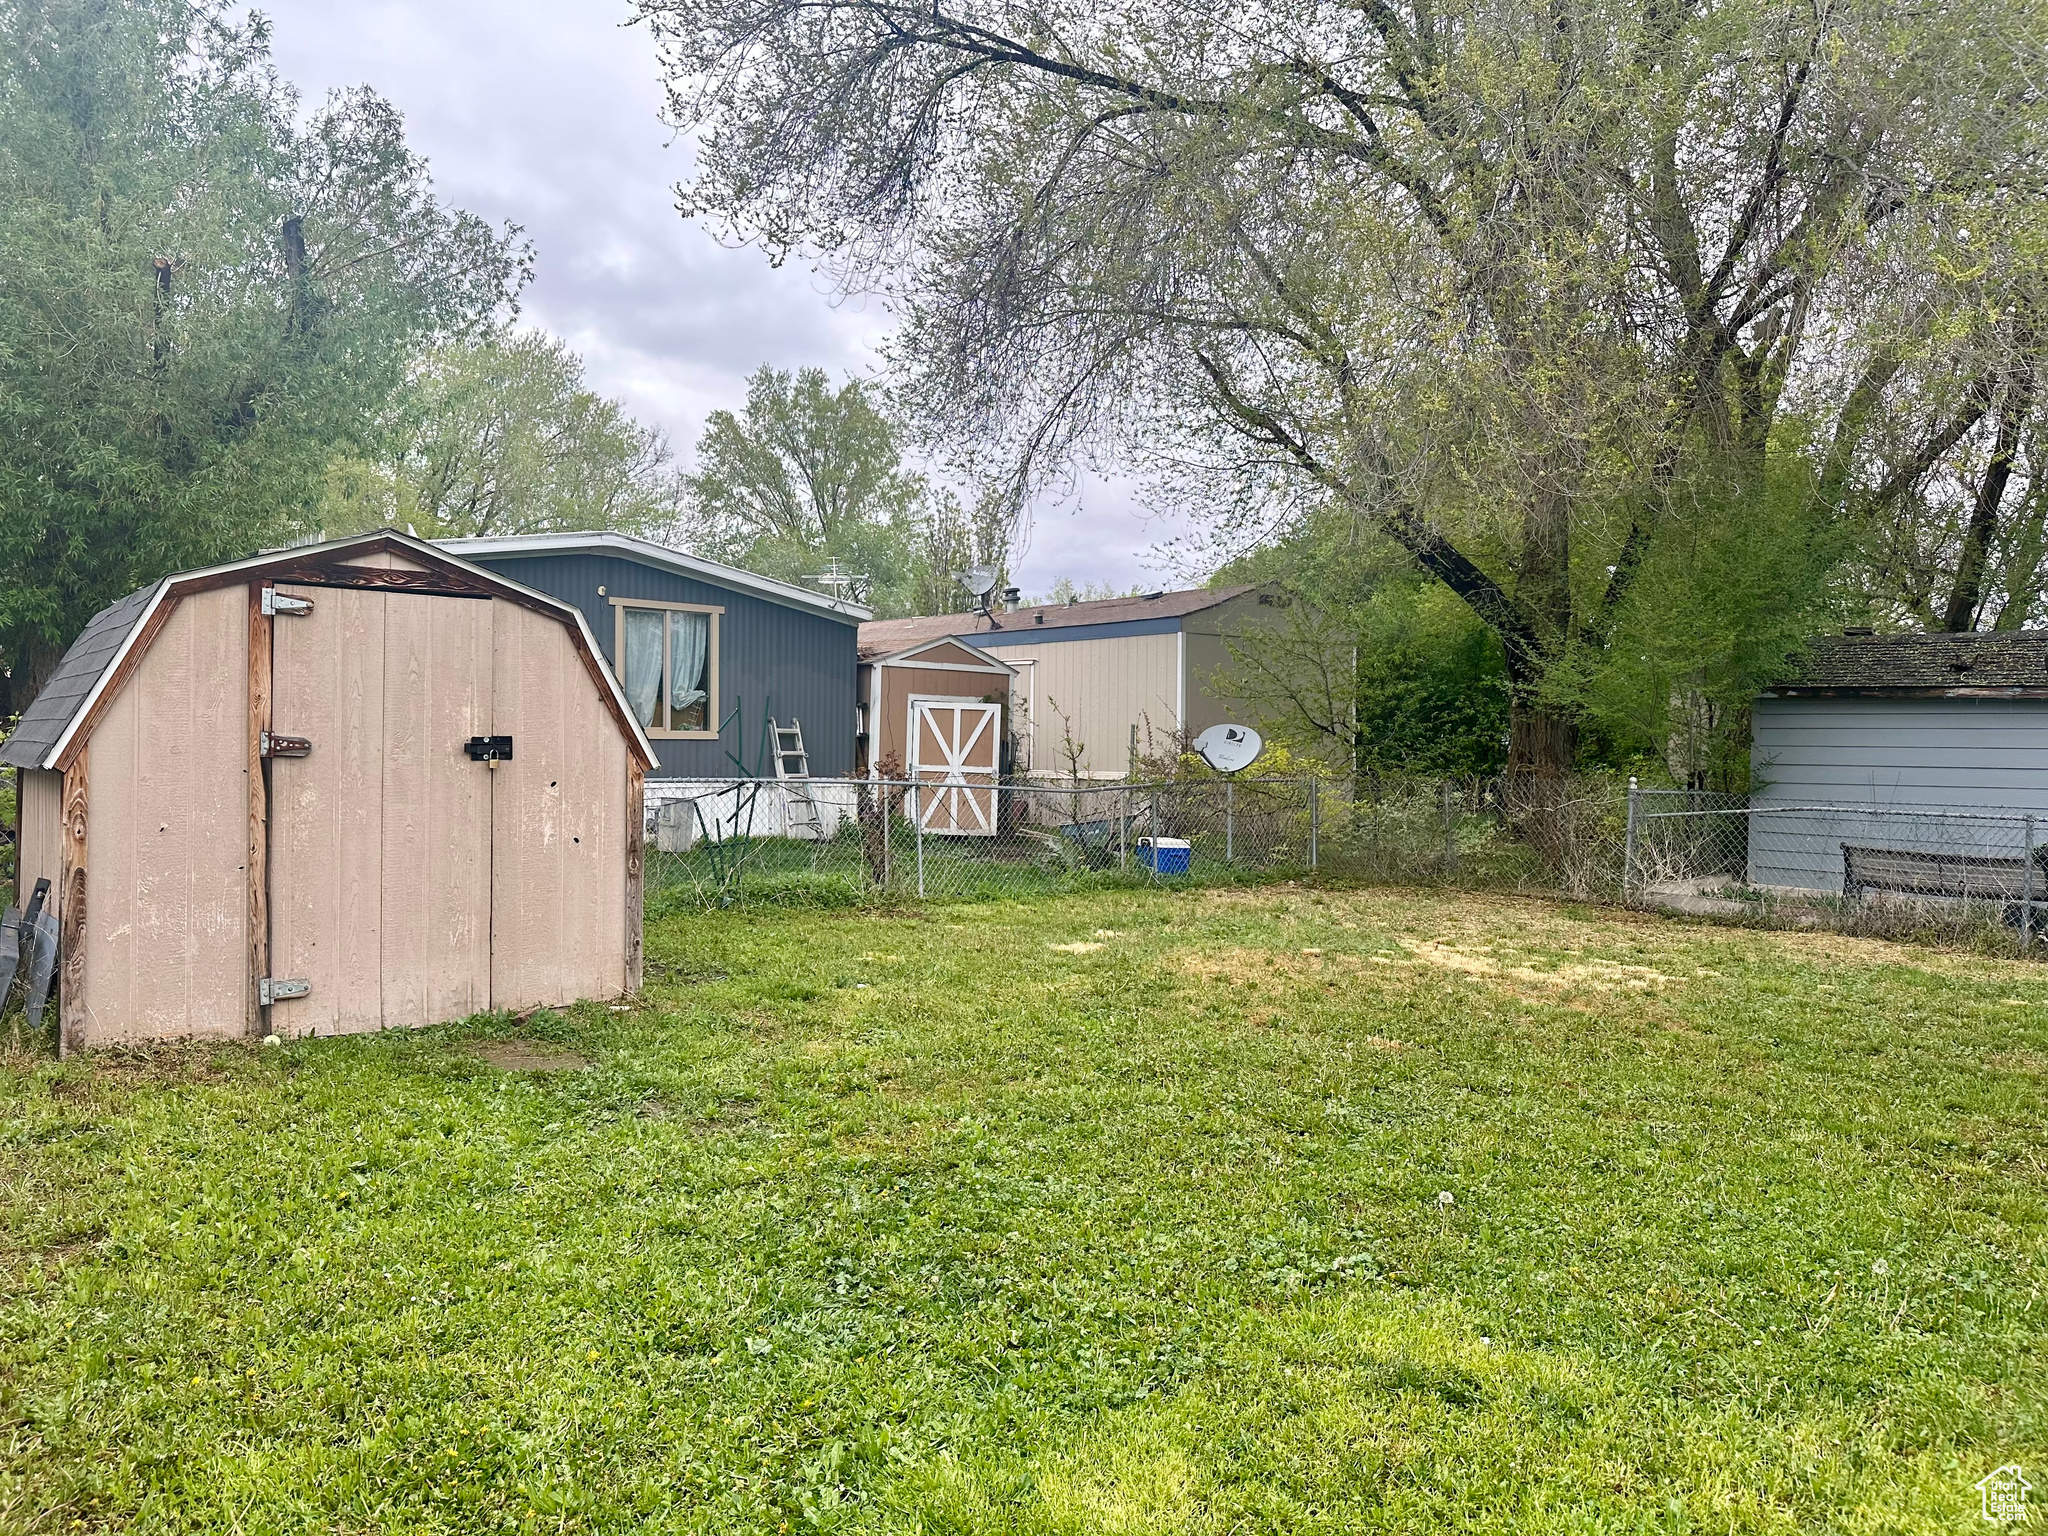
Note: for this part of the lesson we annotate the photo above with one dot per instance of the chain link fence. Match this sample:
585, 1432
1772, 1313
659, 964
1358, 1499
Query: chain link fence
834, 842
1961, 873
1968, 874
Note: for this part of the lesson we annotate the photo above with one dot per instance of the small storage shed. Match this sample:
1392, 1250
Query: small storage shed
939, 711
1117, 677
1902, 722
347, 786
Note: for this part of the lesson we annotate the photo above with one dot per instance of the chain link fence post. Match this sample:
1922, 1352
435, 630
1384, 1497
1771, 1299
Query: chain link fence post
1628, 846
917, 823
1152, 826
2027, 893
1450, 830
1315, 818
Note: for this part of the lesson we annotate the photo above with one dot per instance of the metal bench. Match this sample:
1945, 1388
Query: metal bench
2019, 885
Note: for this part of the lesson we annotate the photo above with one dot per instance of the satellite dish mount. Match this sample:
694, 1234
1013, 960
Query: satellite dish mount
980, 581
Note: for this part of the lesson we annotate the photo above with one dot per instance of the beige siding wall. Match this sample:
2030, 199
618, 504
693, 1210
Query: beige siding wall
1102, 688
166, 928
1211, 634
41, 851
559, 822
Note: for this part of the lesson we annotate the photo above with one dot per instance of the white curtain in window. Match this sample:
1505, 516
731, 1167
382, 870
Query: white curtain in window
641, 666
689, 644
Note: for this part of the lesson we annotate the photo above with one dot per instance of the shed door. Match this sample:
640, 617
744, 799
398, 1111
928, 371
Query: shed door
380, 837
955, 746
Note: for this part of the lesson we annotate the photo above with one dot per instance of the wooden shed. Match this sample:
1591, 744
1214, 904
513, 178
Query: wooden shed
938, 712
347, 786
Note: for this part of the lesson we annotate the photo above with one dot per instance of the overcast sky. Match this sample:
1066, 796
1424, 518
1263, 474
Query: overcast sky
549, 114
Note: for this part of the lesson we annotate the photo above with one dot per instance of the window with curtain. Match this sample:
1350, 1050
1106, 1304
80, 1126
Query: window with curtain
666, 667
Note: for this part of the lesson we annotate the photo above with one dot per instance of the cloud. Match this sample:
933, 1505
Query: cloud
549, 114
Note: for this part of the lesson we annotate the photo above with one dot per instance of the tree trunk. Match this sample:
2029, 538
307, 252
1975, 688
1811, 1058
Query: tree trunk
1542, 738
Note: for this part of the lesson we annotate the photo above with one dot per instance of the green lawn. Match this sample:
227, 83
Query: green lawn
1113, 1212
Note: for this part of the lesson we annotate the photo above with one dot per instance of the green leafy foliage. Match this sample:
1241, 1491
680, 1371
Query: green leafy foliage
1372, 665
200, 298
501, 435
1287, 1211
806, 477
1540, 293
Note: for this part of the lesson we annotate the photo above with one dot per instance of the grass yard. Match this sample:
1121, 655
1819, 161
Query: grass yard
1282, 1210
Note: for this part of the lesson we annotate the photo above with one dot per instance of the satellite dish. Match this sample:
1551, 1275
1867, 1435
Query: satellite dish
979, 580
1229, 748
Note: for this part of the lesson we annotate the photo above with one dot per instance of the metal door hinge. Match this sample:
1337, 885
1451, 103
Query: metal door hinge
271, 990
489, 749
270, 745
276, 602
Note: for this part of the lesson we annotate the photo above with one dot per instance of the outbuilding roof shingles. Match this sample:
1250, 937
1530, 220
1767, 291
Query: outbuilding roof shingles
65, 693
2000, 661
886, 637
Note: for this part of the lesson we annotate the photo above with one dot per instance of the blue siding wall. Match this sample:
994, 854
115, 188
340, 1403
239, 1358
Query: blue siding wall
1897, 753
773, 660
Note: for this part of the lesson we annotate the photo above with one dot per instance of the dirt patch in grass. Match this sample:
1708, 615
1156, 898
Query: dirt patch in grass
528, 1056
1604, 975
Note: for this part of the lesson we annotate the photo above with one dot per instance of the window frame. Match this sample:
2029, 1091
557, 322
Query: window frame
711, 660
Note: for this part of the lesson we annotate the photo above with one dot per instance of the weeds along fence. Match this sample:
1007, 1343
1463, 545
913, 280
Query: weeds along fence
837, 841
1973, 875
720, 842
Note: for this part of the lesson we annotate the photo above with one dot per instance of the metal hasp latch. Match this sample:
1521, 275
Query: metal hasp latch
276, 602
271, 990
269, 745
489, 749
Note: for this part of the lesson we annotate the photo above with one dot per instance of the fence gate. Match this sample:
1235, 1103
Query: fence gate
956, 748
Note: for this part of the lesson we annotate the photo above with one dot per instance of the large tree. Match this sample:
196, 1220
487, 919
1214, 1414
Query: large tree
201, 297
502, 435
808, 481
1583, 303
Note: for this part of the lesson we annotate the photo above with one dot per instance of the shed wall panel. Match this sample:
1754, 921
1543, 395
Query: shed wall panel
436, 901
166, 931
39, 853
1893, 753
559, 824
773, 660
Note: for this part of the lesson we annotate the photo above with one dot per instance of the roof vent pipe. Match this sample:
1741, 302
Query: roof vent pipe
1010, 599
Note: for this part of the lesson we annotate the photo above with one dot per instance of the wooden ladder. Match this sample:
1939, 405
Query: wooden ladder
793, 769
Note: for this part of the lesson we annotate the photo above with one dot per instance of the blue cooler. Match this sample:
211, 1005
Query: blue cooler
1164, 855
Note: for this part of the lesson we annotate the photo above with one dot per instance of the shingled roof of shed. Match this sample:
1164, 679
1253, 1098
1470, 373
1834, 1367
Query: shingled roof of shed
2001, 662
89, 656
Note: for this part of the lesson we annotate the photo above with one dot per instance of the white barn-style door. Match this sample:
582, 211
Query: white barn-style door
955, 755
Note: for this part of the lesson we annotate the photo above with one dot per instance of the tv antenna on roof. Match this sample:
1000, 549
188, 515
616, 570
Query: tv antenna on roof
842, 584
980, 581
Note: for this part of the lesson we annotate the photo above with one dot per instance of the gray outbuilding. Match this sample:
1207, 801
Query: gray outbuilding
1939, 725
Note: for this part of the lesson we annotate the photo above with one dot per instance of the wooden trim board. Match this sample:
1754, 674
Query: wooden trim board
71, 912
259, 806
636, 871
